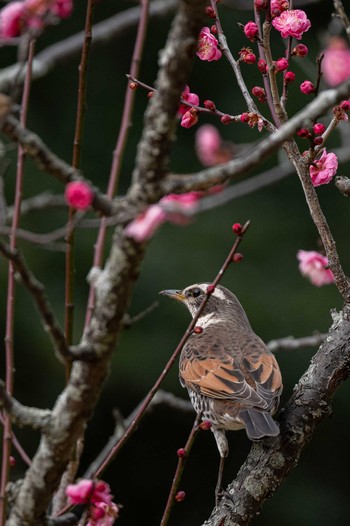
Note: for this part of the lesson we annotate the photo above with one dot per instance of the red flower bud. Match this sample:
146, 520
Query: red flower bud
319, 128
259, 93
318, 140
214, 29
237, 257
12, 461
303, 133
210, 289
260, 4
205, 425
244, 117
210, 12
181, 453
307, 87
237, 228
281, 64
262, 66
251, 30
198, 329
300, 50
150, 94
226, 119
133, 85
345, 105
180, 496
289, 77
209, 104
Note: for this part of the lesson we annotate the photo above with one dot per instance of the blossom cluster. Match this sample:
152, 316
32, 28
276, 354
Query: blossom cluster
20, 16
97, 495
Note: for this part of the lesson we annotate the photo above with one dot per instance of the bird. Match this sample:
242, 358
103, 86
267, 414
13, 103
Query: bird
233, 380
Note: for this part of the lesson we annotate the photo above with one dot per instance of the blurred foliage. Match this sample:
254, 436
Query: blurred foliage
278, 301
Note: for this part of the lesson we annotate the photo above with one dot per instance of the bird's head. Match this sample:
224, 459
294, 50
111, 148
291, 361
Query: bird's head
221, 303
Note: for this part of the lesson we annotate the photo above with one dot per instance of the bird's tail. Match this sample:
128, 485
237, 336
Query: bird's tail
258, 424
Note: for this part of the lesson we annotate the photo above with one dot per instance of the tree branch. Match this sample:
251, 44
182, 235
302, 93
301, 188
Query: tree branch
22, 415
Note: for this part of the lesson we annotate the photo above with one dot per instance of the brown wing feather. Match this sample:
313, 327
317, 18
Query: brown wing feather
253, 380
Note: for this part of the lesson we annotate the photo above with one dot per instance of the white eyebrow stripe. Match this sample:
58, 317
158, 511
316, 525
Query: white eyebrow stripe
219, 294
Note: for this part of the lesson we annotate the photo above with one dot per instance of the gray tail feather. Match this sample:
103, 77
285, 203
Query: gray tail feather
258, 424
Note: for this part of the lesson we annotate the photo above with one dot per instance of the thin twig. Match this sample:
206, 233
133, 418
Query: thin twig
37, 291
179, 471
10, 304
120, 145
339, 8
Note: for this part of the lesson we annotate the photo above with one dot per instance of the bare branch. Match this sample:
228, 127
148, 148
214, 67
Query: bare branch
290, 343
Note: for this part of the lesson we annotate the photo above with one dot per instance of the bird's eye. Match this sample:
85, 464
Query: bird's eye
196, 292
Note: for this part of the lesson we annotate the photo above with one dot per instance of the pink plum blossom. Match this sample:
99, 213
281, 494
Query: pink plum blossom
173, 207
292, 23
81, 492
97, 494
79, 195
144, 225
323, 169
12, 20
208, 142
187, 96
18, 17
208, 46
313, 265
336, 62
190, 118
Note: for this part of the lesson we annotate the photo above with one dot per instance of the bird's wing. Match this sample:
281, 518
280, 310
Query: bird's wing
253, 381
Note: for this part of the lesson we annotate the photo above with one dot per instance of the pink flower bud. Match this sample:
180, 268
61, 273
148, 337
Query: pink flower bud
214, 29
198, 329
289, 77
226, 119
319, 128
303, 133
307, 87
209, 104
133, 85
237, 228
300, 50
259, 93
262, 66
251, 30
210, 289
79, 195
180, 496
12, 461
281, 64
181, 453
313, 266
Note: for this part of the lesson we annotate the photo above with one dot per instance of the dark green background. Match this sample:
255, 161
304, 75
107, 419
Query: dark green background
278, 301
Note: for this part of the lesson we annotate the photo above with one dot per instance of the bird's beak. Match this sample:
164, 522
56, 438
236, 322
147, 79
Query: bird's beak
175, 294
